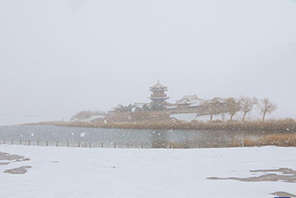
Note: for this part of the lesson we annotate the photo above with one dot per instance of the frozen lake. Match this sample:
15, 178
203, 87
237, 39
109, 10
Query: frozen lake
122, 137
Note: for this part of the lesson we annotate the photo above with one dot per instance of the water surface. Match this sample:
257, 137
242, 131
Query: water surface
121, 137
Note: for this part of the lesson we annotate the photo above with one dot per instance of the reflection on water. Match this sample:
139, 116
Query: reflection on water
99, 137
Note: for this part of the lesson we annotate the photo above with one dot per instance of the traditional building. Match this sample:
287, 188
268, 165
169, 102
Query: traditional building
189, 101
158, 96
160, 110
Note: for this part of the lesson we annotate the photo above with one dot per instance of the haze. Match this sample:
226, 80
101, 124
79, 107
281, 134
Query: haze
61, 57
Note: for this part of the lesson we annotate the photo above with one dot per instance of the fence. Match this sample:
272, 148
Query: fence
76, 144
156, 144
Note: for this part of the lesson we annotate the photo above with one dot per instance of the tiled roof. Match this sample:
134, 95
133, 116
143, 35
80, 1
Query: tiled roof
158, 85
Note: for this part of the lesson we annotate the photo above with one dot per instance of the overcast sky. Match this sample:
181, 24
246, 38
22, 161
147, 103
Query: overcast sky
58, 57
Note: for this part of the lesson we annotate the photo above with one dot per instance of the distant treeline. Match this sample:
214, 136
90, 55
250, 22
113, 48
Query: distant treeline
216, 106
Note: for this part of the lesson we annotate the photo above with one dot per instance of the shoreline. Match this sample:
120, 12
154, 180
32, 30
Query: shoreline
256, 133
274, 126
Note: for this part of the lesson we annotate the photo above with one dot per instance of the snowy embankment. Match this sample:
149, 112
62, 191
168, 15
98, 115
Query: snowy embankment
151, 173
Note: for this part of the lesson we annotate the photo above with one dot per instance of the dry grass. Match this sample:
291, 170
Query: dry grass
282, 125
265, 140
279, 139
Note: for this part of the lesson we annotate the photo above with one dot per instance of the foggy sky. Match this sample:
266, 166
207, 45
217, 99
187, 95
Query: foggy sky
58, 57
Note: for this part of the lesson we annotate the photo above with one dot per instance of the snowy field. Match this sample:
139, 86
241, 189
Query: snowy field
141, 173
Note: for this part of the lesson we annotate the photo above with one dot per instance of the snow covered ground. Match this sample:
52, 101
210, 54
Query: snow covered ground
139, 173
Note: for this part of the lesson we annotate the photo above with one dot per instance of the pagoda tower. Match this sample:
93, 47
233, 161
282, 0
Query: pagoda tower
158, 96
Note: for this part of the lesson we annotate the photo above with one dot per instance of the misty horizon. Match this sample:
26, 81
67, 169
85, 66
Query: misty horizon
62, 57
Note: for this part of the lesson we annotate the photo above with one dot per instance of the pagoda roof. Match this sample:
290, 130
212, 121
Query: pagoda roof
158, 86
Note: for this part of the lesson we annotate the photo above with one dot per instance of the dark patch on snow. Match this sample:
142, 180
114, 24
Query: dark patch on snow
283, 194
19, 170
7, 156
288, 175
4, 163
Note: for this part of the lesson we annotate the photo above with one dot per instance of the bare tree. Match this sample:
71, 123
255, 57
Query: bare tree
246, 105
231, 106
266, 106
213, 107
